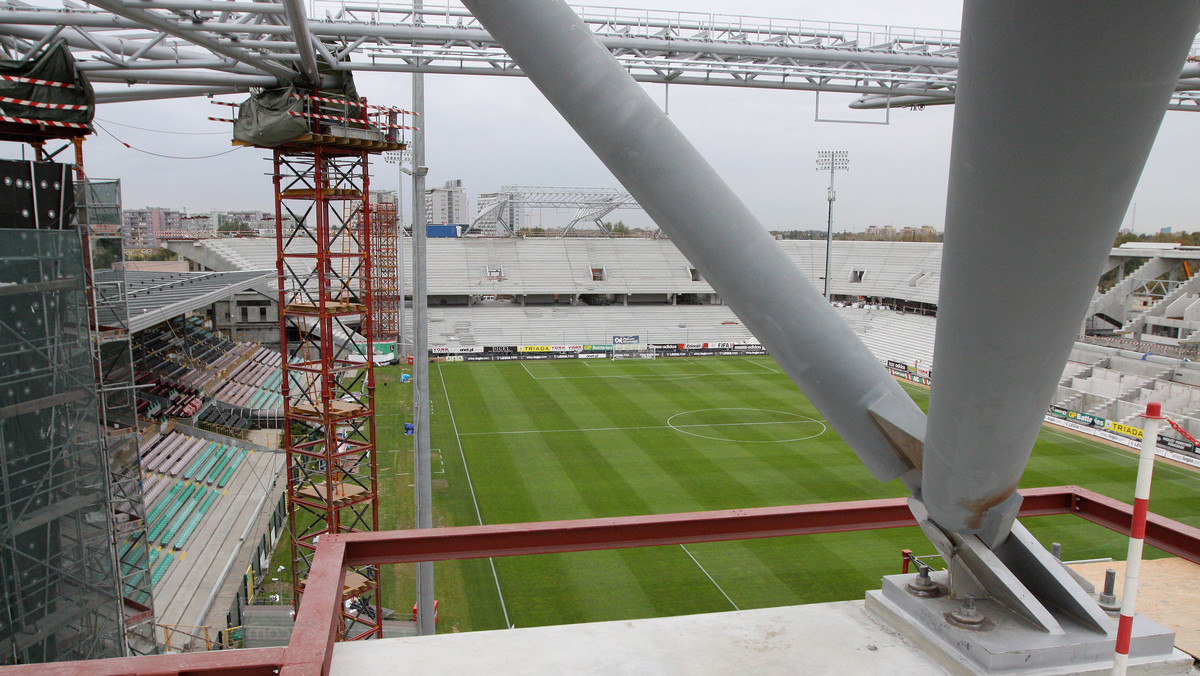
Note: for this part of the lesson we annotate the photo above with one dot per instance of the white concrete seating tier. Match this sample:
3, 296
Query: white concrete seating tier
547, 266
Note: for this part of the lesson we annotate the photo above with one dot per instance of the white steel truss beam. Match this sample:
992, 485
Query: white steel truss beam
277, 42
590, 204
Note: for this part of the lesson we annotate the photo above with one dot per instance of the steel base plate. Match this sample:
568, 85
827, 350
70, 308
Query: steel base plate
1006, 644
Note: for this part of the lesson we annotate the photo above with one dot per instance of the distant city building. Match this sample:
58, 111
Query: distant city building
151, 227
447, 204
146, 228
261, 223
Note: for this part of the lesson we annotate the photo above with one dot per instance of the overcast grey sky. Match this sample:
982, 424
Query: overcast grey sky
493, 131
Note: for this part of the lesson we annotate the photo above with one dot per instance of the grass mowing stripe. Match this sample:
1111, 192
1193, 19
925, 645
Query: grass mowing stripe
597, 478
1129, 456
475, 391
525, 482
622, 429
471, 486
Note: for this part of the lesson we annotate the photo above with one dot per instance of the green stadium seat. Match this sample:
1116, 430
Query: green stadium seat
161, 569
232, 468
213, 459
201, 458
167, 516
193, 522
182, 516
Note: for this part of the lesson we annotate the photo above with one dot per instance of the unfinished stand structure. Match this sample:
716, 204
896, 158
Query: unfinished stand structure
327, 311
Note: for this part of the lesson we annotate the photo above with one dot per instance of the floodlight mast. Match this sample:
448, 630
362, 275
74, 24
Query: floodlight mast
832, 160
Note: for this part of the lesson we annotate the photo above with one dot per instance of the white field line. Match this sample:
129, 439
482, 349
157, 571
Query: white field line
764, 366
492, 563
441, 462
646, 427
710, 577
648, 376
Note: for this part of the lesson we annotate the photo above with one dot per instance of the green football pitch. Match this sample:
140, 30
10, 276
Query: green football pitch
569, 439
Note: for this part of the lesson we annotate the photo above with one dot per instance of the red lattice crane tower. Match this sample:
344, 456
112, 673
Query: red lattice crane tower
325, 264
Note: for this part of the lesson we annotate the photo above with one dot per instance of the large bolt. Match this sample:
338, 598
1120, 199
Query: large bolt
922, 585
967, 614
1056, 550
1108, 597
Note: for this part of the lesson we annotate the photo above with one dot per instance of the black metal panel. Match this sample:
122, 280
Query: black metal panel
36, 195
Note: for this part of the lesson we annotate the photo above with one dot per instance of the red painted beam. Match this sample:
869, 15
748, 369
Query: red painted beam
544, 537
1168, 535
249, 662
317, 623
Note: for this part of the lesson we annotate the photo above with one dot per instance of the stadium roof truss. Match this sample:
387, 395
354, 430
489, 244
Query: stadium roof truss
590, 204
176, 48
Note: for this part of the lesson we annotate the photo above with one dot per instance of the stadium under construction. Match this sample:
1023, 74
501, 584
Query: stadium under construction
191, 448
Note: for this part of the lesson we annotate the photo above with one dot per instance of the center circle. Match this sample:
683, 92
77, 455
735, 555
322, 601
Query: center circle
744, 424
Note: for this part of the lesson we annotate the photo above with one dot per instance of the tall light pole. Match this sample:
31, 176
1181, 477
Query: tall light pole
400, 158
831, 160
422, 477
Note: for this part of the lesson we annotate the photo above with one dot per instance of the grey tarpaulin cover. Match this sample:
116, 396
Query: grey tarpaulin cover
265, 119
54, 64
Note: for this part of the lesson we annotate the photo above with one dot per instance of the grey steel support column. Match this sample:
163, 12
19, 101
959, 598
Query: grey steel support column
401, 346
422, 485
1051, 130
298, 21
717, 233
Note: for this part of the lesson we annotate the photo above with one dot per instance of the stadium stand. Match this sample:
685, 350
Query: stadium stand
1117, 384
200, 489
889, 334
514, 291
181, 365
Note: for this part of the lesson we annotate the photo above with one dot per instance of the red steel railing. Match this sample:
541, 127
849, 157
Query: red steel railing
311, 647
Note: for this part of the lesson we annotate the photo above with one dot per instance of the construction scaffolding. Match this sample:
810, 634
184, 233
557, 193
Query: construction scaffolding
385, 238
98, 216
57, 563
325, 290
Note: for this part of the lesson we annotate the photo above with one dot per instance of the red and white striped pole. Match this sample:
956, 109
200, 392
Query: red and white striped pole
1137, 534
